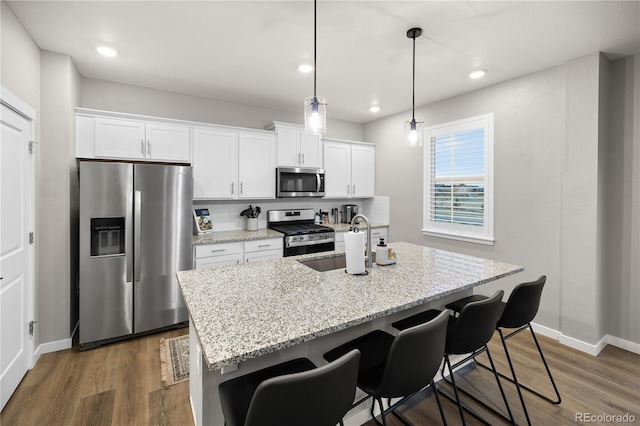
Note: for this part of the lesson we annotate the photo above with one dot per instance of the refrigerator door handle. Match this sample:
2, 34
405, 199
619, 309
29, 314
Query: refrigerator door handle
128, 237
137, 240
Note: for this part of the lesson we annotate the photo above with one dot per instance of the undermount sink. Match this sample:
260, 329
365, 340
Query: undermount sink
339, 261
327, 263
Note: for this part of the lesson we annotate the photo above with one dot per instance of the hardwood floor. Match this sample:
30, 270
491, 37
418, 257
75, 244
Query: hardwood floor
119, 384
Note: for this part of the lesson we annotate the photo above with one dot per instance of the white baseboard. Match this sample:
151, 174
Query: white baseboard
623, 344
58, 345
546, 331
589, 348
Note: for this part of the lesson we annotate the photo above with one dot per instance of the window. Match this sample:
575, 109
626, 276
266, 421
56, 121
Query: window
458, 180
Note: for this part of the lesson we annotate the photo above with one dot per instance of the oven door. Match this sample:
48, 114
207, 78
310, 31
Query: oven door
299, 182
307, 249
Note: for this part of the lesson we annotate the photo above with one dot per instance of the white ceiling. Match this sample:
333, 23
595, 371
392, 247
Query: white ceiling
248, 51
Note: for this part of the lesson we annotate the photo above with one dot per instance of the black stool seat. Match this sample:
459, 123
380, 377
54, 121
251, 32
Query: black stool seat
374, 348
398, 366
292, 393
517, 313
236, 394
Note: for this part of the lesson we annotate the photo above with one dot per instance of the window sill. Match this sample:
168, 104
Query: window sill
487, 241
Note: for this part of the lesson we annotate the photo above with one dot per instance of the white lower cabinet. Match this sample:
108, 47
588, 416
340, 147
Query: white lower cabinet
257, 250
212, 255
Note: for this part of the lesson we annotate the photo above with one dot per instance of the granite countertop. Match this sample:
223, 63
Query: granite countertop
235, 236
244, 311
263, 234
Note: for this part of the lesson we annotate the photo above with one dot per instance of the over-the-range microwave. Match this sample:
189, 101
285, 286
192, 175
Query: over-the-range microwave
299, 182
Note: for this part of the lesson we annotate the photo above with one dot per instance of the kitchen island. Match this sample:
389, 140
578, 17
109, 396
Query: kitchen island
246, 317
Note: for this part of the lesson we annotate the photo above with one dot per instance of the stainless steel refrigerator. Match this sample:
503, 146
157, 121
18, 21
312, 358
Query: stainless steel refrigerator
135, 233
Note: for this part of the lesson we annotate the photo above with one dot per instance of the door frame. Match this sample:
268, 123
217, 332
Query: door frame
13, 102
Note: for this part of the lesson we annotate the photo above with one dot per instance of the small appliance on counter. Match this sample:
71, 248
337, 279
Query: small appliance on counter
349, 211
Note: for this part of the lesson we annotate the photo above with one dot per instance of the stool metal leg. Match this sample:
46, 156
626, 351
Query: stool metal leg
558, 399
495, 373
515, 379
455, 390
435, 391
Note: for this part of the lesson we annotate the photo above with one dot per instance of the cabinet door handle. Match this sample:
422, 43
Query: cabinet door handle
354, 189
142, 146
232, 187
241, 188
264, 245
299, 161
348, 188
303, 158
218, 250
149, 148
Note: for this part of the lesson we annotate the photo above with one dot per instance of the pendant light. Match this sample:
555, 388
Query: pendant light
413, 128
315, 108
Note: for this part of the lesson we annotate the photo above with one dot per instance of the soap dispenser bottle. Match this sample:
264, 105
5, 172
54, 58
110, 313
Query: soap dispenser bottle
382, 253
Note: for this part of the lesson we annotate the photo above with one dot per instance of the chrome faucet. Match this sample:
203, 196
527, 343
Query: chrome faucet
366, 220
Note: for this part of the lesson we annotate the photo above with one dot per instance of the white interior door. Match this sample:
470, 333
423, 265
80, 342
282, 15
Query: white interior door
16, 347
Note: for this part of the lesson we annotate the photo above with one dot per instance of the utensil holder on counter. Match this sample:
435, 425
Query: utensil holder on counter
252, 224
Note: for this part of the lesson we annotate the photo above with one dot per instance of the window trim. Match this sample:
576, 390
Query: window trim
483, 235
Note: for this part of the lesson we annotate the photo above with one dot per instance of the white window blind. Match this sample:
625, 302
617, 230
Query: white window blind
458, 176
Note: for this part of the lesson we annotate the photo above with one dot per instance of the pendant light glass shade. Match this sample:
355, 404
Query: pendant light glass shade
315, 115
315, 107
413, 132
413, 128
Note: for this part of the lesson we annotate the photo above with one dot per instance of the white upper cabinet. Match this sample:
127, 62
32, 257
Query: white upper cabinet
349, 169
337, 170
257, 170
129, 138
119, 139
295, 147
215, 164
167, 143
363, 170
231, 164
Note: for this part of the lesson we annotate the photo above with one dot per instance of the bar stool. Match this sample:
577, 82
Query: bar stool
292, 393
468, 333
519, 310
400, 366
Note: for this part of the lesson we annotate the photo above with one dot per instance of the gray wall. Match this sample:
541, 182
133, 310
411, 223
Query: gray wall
60, 85
108, 96
623, 173
556, 179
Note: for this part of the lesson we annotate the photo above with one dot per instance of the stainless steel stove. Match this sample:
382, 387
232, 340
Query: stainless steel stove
301, 234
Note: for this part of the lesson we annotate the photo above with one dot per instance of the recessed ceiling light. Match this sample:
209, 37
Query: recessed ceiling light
374, 108
305, 68
477, 73
107, 51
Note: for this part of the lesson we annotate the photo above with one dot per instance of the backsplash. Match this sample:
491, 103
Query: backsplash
226, 214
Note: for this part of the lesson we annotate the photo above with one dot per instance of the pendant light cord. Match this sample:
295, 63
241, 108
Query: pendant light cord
413, 100
314, 48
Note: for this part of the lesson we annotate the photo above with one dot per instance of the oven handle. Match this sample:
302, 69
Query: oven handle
318, 182
309, 243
